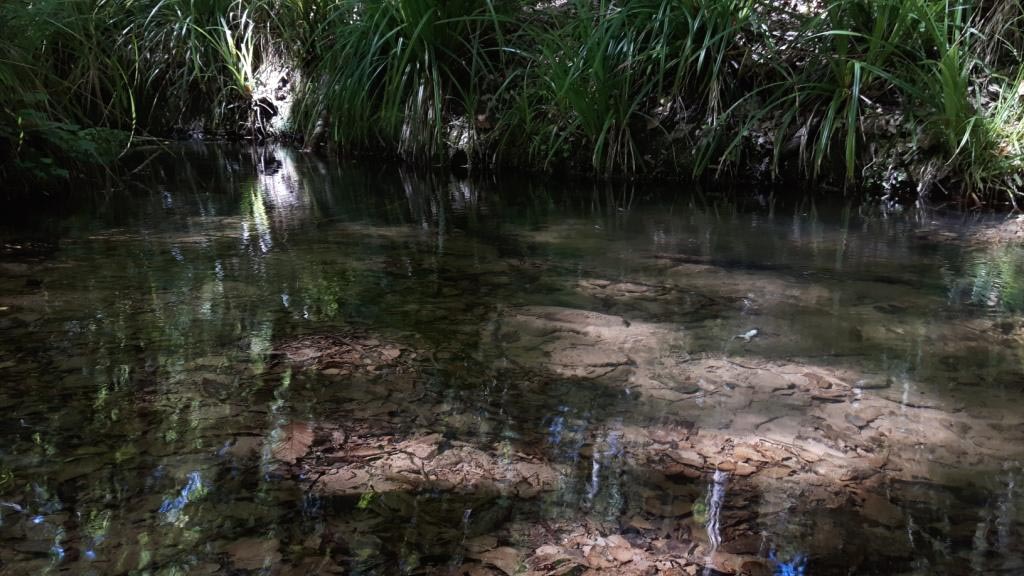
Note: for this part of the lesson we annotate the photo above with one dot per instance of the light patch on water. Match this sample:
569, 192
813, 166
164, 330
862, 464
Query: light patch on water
145, 326
716, 498
172, 508
595, 478
796, 566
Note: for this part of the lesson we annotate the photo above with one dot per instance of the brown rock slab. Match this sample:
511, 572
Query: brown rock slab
506, 559
345, 481
746, 454
744, 544
856, 421
687, 457
422, 448
879, 509
776, 472
481, 544
744, 469
830, 396
756, 568
245, 446
254, 553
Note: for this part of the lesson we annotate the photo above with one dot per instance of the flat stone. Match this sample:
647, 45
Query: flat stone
831, 396
245, 446
345, 481
746, 453
744, 469
873, 383
506, 559
744, 544
856, 420
880, 510
776, 472
254, 553
756, 568
687, 457
481, 544
590, 356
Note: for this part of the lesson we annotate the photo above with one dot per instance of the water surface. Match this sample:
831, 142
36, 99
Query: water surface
252, 360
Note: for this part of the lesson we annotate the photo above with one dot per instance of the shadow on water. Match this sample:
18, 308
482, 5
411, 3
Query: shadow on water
189, 368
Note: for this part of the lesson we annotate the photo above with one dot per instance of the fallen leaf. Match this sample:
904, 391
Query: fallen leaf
295, 440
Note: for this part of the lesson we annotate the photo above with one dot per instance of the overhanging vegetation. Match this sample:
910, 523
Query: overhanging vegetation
920, 96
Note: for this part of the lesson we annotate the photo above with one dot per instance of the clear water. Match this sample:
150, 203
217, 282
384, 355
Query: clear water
181, 396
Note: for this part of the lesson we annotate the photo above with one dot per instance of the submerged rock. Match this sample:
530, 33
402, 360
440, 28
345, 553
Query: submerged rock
343, 353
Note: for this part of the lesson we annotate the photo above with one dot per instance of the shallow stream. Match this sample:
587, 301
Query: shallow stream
257, 361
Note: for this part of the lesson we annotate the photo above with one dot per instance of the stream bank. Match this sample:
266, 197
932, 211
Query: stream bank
897, 101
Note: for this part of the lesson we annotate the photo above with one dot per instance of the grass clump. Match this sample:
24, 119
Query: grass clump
918, 95
394, 72
602, 76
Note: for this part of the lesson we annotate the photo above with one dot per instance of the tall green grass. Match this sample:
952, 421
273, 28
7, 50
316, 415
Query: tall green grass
82, 78
394, 71
923, 61
609, 88
600, 76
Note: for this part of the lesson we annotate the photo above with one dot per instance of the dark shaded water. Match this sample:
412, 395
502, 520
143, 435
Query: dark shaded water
190, 366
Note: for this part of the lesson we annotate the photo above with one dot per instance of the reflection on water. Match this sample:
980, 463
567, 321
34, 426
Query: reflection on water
259, 361
172, 508
716, 497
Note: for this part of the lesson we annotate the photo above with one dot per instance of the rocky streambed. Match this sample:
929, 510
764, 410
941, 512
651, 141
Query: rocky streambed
320, 371
641, 458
